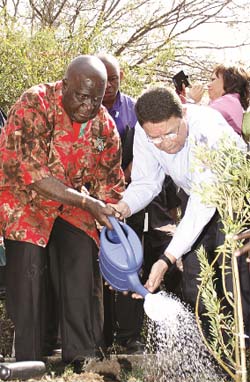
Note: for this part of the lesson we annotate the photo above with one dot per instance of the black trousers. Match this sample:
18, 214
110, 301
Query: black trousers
2, 277
155, 243
211, 237
78, 287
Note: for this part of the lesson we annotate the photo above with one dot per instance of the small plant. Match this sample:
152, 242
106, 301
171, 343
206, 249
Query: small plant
6, 331
136, 375
230, 194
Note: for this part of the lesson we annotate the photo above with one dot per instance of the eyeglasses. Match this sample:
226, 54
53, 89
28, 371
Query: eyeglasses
161, 138
158, 140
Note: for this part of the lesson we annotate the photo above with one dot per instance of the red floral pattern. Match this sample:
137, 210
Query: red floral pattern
39, 141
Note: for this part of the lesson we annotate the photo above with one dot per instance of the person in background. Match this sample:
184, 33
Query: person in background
2, 118
60, 164
165, 137
123, 316
162, 217
245, 249
229, 93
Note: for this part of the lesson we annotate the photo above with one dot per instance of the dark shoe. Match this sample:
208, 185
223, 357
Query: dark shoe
134, 347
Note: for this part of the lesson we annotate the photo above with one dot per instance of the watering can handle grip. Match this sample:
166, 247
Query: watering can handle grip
124, 241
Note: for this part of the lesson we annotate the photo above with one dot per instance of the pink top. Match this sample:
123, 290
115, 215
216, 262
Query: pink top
230, 107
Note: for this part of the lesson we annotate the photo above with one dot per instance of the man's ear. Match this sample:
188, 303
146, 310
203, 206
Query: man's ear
121, 75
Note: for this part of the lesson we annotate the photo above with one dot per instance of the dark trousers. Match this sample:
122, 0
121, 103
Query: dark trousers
123, 316
211, 237
2, 278
155, 243
78, 287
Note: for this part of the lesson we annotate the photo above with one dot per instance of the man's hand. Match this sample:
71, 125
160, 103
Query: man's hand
99, 210
246, 247
121, 208
169, 229
156, 275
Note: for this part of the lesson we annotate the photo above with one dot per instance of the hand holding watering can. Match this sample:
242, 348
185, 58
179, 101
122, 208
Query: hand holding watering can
120, 260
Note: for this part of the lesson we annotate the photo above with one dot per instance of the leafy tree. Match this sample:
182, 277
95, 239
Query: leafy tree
38, 38
139, 30
28, 59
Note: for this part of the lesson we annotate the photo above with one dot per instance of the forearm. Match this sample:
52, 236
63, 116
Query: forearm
53, 189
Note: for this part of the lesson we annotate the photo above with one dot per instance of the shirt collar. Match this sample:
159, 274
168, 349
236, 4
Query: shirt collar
118, 101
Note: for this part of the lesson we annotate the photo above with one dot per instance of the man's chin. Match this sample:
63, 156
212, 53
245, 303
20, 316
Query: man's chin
82, 118
109, 97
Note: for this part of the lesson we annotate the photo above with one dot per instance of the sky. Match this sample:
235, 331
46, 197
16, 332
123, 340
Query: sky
219, 35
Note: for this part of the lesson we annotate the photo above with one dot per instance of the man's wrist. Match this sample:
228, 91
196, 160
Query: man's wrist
166, 259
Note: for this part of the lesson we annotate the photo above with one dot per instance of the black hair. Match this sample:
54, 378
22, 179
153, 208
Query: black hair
157, 105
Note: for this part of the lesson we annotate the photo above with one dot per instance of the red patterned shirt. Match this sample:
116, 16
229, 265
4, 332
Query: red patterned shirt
39, 141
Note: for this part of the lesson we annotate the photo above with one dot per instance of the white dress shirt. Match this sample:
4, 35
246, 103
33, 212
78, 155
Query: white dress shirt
150, 165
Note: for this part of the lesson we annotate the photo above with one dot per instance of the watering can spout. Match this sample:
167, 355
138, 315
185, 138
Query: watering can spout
136, 286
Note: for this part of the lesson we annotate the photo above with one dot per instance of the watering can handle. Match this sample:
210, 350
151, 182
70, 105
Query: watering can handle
124, 241
132, 278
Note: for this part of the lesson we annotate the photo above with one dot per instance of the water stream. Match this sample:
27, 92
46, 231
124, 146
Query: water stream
174, 350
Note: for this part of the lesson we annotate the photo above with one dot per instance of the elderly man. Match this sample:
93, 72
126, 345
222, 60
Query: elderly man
61, 157
165, 138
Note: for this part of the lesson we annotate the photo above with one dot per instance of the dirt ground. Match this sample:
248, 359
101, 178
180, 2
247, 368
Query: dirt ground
116, 369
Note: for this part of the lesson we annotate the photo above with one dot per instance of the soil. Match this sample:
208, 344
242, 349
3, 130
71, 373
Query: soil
111, 369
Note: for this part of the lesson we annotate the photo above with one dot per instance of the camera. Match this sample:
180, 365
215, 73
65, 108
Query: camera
179, 79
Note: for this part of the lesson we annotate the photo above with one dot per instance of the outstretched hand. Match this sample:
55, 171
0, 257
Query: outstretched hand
121, 209
155, 278
246, 247
157, 273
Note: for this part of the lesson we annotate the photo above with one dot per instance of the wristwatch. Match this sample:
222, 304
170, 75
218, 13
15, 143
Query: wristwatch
167, 261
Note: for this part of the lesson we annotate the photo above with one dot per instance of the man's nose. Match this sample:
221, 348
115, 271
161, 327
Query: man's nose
88, 102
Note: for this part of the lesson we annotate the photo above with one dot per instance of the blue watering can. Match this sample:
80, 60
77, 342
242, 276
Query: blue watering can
121, 257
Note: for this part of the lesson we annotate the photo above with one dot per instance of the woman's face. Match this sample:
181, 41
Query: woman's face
216, 87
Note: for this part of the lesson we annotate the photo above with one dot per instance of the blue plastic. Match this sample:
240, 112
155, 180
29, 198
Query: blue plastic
121, 257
